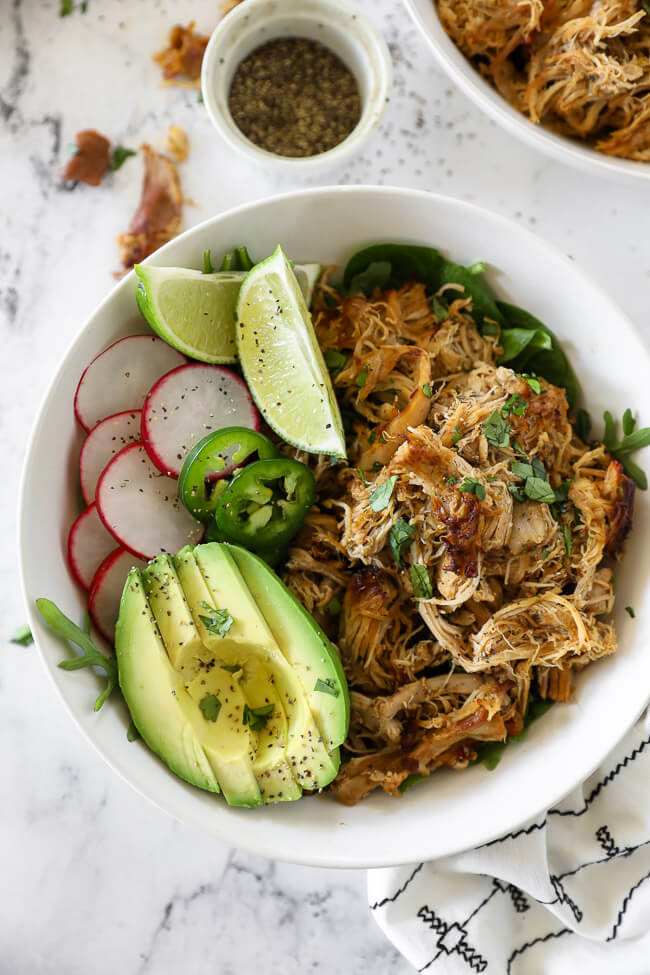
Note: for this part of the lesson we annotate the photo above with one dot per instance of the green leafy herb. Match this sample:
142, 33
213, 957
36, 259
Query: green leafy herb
256, 718
518, 449
471, 486
218, 621
231, 668
457, 434
364, 479
515, 404
496, 430
440, 309
568, 541
360, 380
410, 781
427, 390
562, 493
91, 657
453, 479
538, 489
631, 440
23, 636
326, 686
531, 347
333, 607
516, 492
210, 706
376, 275
200, 98
372, 436
400, 537
119, 156
519, 469
381, 495
132, 733
207, 262
478, 268
66, 7
335, 360
533, 382
630, 612
420, 581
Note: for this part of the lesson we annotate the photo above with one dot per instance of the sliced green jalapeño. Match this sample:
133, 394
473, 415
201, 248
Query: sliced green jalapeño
199, 484
266, 503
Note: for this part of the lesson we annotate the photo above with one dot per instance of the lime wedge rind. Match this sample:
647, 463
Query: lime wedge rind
282, 360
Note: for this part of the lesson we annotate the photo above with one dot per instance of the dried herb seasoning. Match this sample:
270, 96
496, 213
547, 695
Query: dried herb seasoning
294, 97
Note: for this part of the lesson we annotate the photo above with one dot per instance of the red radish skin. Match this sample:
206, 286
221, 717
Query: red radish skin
88, 545
102, 444
106, 591
119, 378
140, 506
187, 404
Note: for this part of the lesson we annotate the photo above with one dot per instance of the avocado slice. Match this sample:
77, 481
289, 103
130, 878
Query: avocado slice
305, 646
200, 661
153, 691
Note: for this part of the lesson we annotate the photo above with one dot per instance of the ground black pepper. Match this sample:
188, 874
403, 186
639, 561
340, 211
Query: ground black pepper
294, 97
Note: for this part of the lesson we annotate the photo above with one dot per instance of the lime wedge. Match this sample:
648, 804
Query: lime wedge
282, 361
195, 312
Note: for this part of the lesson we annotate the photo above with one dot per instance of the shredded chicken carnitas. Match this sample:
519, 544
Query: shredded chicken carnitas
581, 67
457, 594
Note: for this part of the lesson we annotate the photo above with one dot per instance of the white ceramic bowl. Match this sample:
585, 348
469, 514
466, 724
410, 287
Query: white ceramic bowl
452, 810
425, 15
342, 29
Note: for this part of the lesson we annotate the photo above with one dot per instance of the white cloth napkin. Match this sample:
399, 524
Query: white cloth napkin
570, 888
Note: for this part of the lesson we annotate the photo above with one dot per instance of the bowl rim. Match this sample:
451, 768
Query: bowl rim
261, 844
377, 61
488, 99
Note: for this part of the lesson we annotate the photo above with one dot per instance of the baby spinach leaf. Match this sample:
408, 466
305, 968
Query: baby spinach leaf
376, 275
407, 262
484, 304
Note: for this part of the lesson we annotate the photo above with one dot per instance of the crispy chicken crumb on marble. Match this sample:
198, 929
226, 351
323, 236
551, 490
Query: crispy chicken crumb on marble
159, 215
517, 586
580, 67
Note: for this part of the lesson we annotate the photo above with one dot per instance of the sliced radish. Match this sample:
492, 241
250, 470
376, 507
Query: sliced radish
120, 377
187, 404
88, 545
140, 507
106, 590
100, 446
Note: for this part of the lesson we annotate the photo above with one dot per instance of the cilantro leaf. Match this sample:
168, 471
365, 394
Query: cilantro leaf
630, 612
420, 581
256, 718
515, 404
210, 706
335, 360
326, 686
119, 156
539, 490
23, 636
361, 377
91, 657
381, 495
522, 470
333, 607
219, 621
533, 382
471, 486
400, 537
496, 430
440, 310
427, 390
568, 541
457, 435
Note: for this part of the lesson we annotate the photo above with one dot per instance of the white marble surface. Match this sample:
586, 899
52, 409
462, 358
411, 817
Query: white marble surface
94, 879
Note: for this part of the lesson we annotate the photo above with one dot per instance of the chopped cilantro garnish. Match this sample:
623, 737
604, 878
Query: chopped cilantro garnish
119, 156
231, 668
218, 621
533, 382
453, 479
440, 310
256, 718
360, 380
538, 489
457, 435
427, 390
496, 430
333, 607
210, 706
23, 636
65, 8
420, 581
400, 537
381, 495
471, 486
372, 436
377, 465
516, 492
515, 404
200, 98
630, 612
568, 541
521, 470
326, 686
335, 360
364, 479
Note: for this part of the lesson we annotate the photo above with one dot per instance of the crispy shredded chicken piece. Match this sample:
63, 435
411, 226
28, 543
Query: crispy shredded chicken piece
518, 587
579, 67
178, 144
90, 161
159, 214
184, 55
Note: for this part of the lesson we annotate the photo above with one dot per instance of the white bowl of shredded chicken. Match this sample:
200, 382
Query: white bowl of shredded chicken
517, 602
570, 78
